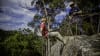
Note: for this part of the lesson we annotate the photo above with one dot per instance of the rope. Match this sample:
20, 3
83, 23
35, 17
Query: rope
98, 26
48, 40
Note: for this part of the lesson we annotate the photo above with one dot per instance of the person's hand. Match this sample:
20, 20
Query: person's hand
79, 12
70, 17
50, 29
75, 13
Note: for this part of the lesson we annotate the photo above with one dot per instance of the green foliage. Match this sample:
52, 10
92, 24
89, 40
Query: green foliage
57, 3
18, 44
88, 26
37, 17
87, 4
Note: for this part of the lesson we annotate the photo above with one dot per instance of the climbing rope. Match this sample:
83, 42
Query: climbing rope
98, 26
48, 40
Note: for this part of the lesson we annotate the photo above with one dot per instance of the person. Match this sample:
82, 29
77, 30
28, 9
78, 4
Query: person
48, 32
43, 28
72, 10
73, 13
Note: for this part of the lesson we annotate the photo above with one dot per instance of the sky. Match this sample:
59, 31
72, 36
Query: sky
15, 14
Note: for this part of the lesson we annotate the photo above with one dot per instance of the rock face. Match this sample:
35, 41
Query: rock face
77, 46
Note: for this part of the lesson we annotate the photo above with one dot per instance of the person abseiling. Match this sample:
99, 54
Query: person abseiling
47, 32
43, 27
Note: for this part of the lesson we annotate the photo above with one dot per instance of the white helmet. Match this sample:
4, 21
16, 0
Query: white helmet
71, 3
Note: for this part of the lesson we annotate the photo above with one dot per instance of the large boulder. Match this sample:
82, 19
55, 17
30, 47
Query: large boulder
82, 45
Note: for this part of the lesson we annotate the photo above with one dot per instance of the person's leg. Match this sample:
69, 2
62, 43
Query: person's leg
56, 34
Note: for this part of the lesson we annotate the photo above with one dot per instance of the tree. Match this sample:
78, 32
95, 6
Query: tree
18, 44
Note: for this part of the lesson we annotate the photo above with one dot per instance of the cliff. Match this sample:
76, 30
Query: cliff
82, 45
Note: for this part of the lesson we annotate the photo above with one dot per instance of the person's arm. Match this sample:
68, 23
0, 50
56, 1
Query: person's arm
79, 12
41, 27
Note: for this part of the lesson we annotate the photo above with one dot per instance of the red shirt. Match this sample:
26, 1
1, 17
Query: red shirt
44, 31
